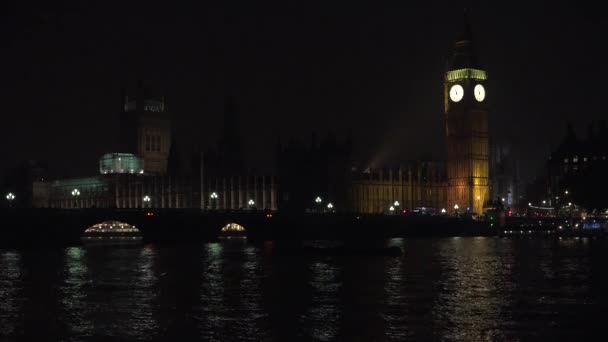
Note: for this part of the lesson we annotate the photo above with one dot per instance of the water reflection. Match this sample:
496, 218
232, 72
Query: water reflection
323, 313
120, 287
453, 289
10, 272
472, 297
74, 295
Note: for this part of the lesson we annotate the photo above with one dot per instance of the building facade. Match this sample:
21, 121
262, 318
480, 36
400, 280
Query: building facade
420, 185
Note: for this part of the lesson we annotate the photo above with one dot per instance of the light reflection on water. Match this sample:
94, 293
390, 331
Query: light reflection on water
454, 289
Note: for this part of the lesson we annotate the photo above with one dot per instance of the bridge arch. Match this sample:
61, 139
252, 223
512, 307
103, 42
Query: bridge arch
114, 231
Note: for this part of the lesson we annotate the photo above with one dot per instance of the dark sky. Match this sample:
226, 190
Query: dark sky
295, 68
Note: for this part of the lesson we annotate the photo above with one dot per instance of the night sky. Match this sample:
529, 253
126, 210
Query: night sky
294, 68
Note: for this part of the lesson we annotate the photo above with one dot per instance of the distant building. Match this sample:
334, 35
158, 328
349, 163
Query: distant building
150, 172
504, 176
576, 170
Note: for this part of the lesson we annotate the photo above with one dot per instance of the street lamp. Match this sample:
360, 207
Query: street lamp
318, 201
443, 211
330, 206
75, 194
391, 209
10, 198
566, 192
147, 200
456, 208
214, 199
396, 204
251, 203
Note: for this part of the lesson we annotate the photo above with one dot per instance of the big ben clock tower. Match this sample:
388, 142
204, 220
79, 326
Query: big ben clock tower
466, 118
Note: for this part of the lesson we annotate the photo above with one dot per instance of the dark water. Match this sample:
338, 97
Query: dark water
456, 289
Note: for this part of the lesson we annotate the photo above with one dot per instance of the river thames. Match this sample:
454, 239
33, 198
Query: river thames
455, 289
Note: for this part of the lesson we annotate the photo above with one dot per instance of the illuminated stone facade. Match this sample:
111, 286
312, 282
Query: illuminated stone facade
466, 118
420, 185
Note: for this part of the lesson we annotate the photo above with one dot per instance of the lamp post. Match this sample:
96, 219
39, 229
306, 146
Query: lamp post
147, 200
456, 208
318, 201
330, 207
76, 194
391, 209
10, 198
214, 197
251, 203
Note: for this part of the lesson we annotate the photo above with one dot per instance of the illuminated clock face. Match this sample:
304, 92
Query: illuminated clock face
456, 92
480, 92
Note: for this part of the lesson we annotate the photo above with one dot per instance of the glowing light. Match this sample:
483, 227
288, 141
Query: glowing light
391, 208
480, 92
233, 227
566, 192
503, 199
396, 204
75, 192
329, 205
10, 196
456, 206
478, 197
529, 204
318, 199
569, 203
544, 202
214, 195
251, 203
443, 210
467, 73
147, 198
456, 92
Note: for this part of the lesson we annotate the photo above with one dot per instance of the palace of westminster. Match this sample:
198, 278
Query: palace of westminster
147, 173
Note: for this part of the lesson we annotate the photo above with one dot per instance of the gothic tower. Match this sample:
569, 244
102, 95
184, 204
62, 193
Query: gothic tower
466, 117
146, 130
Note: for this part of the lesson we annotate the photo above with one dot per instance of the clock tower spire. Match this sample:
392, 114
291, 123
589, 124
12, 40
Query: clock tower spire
466, 118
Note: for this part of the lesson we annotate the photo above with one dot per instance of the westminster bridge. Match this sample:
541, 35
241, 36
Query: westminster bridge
66, 226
